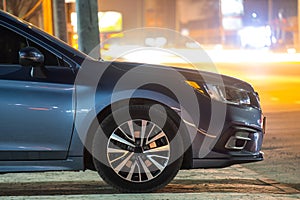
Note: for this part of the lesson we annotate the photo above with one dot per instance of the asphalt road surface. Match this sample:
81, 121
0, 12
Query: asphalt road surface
282, 149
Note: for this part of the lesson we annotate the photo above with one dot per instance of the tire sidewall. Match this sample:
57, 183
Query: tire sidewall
106, 128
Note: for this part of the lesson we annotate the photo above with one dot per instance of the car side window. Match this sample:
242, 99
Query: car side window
10, 44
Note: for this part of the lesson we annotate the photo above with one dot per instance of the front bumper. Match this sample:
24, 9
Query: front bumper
239, 142
225, 162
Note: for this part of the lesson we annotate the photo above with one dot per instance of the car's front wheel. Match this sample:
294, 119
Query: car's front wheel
137, 148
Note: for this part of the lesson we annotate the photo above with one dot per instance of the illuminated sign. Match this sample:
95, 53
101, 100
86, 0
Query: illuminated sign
232, 11
232, 7
109, 21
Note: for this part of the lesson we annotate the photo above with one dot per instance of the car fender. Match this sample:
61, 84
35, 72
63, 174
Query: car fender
85, 119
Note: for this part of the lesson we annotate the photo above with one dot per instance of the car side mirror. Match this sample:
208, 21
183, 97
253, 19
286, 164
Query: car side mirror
31, 57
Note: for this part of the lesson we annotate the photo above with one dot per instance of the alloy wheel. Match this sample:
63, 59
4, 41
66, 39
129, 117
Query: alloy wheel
138, 150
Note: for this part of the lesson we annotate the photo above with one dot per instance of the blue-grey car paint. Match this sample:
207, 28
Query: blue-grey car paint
69, 145
38, 110
36, 120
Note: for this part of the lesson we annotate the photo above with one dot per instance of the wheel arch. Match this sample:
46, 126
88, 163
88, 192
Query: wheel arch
172, 111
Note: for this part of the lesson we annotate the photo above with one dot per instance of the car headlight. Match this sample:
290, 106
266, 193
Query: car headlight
226, 94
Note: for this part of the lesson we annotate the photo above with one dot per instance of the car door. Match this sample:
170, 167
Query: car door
36, 119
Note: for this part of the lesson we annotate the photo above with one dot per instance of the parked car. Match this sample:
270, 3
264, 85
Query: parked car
137, 125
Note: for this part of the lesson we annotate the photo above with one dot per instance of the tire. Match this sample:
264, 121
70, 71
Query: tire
130, 162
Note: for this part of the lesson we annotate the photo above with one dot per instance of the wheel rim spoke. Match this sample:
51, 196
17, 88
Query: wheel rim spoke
130, 138
158, 136
158, 149
130, 125
114, 150
143, 130
123, 163
130, 174
145, 169
117, 151
157, 164
121, 140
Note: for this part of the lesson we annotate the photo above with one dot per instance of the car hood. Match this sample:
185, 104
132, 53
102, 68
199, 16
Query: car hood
108, 74
188, 74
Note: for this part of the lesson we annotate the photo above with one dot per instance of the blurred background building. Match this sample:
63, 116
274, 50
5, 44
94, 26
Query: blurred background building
230, 23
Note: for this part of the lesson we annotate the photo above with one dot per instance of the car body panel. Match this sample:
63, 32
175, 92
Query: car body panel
70, 164
44, 123
36, 120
